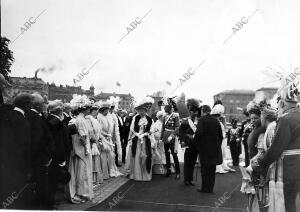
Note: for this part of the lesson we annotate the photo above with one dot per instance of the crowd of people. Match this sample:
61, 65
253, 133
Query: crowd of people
84, 142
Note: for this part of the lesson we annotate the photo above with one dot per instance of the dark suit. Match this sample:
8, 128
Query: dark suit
69, 131
42, 148
15, 161
126, 129
59, 134
208, 138
190, 155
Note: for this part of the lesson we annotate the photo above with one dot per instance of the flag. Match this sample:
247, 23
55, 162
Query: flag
118, 84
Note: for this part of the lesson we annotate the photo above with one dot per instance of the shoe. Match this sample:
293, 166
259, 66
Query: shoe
168, 173
222, 172
186, 183
177, 176
203, 190
191, 183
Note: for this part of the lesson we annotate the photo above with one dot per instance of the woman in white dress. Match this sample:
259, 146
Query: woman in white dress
107, 154
80, 166
95, 134
141, 144
159, 158
218, 111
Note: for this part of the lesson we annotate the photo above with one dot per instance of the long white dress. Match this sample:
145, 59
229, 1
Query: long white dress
116, 134
80, 166
95, 134
223, 168
137, 163
159, 157
107, 149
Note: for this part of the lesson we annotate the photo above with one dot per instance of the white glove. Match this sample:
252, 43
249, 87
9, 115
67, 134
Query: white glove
170, 138
95, 150
249, 169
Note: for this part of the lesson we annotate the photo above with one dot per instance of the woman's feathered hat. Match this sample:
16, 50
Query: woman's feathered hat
289, 84
103, 105
218, 109
114, 101
80, 102
145, 103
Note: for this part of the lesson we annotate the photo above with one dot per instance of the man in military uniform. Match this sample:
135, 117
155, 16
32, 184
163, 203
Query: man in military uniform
168, 136
286, 144
187, 130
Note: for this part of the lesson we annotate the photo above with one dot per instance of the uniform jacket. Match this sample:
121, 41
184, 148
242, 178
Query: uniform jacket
186, 133
287, 137
172, 124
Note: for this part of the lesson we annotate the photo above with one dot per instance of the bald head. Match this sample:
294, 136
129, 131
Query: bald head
37, 102
23, 101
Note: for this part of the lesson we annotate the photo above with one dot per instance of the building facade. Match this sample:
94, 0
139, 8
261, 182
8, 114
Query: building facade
233, 100
265, 93
65, 93
51, 91
24, 84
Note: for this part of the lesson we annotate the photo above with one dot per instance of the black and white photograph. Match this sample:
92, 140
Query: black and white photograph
148, 105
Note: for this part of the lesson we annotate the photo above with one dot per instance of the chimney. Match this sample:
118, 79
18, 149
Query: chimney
35, 73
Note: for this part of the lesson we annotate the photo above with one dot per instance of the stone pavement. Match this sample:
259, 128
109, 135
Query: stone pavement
101, 192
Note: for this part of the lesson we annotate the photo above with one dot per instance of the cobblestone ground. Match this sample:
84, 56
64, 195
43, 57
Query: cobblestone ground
101, 192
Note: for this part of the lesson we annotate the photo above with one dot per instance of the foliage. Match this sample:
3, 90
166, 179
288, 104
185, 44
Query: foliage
6, 58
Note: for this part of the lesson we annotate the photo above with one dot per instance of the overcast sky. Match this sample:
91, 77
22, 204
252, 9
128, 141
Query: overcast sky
175, 36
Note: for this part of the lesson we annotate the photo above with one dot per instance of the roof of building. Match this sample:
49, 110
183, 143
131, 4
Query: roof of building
237, 91
265, 89
107, 95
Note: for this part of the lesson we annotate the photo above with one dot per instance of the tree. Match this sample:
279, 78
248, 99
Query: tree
181, 106
6, 59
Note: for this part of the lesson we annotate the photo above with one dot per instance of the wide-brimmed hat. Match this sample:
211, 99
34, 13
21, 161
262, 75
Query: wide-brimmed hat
218, 110
103, 105
80, 101
144, 103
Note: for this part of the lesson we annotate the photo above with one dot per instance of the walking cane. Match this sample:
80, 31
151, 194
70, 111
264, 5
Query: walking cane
197, 167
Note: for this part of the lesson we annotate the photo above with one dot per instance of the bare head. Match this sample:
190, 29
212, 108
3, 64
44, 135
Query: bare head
37, 102
23, 101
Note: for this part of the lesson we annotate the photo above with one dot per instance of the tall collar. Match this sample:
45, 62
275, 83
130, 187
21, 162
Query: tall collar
55, 116
20, 110
34, 110
66, 114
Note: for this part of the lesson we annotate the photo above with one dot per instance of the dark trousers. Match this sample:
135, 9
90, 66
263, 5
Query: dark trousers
247, 160
53, 183
208, 177
291, 190
116, 156
234, 150
171, 146
190, 158
41, 179
124, 145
